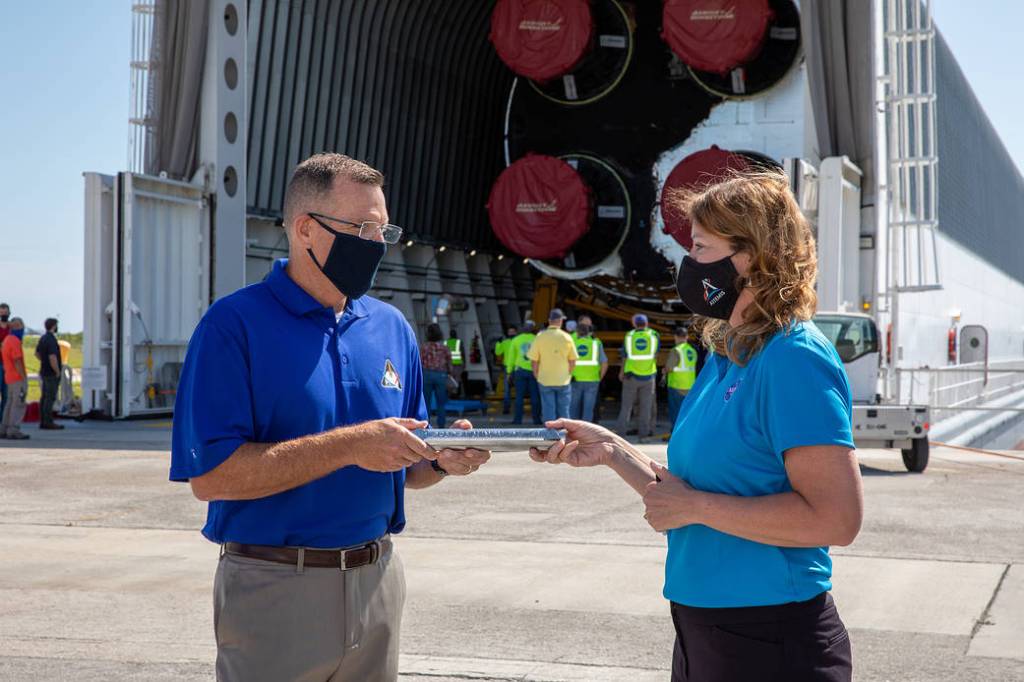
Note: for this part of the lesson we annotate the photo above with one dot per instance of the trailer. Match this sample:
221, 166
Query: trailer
877, 422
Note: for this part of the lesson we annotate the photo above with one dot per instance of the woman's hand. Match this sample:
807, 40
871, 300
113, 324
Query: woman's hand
670, 502
584, 445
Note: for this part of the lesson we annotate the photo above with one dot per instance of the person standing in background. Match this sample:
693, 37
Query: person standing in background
525, 382
587, 374
680, 373
16, 379
437, 367
48, 354
640, 350
552, 357
458, 363
503, 352
5, 329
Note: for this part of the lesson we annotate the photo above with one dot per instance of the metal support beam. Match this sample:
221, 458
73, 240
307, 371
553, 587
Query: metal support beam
222, 140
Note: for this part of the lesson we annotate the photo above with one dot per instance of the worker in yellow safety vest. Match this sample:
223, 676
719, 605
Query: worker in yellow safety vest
504, 355
638, 376
680, 372
522, 373
590, 368
455, 346
584, 320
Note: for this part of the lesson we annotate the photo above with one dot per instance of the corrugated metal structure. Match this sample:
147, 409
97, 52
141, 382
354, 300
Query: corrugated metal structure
413, 88
145, 238
981, 191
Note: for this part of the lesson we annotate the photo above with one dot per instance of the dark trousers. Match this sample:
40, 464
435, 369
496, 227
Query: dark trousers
506, 401
798, 642
526, 384
50, 386
435, 383
675, 401
3, 390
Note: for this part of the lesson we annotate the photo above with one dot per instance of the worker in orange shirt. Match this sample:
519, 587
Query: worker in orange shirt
16, 379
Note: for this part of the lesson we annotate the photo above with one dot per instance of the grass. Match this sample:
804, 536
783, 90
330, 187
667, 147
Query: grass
32, 364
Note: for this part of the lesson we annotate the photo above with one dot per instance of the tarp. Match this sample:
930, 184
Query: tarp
539, 207
697, 170
840, 77
541, 39
179, 52
715, 35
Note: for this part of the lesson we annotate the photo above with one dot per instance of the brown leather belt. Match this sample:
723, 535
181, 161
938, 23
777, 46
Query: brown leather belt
343, 559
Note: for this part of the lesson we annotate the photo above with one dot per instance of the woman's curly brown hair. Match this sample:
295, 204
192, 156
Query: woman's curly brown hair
758, 214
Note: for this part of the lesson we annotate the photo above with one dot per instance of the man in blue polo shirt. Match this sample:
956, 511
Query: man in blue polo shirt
294, 420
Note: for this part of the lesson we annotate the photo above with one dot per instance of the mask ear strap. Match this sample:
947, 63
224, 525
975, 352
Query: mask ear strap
313, 256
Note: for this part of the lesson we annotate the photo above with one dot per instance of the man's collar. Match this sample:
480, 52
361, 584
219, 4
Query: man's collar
296, 299
356, 307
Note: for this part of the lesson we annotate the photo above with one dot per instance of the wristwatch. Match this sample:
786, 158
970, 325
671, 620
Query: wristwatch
438, 468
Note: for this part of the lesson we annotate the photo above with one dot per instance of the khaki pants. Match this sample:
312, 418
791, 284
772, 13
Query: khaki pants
14, 411
276, 623
640, 393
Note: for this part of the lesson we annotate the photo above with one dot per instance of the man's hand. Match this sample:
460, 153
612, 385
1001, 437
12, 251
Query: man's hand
584, 445
670, 501
462, 462
390, 445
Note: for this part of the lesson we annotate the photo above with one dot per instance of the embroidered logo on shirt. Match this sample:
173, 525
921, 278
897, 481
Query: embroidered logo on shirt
732, 389
391, 378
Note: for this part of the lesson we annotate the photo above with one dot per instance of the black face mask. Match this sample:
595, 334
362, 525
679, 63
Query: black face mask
352, 262
4, 318
708, 289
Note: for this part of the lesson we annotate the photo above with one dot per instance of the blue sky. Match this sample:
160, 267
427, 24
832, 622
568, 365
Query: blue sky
65, 111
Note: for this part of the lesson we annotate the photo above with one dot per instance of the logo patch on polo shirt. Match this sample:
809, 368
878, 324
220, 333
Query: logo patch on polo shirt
391, 378
732, 389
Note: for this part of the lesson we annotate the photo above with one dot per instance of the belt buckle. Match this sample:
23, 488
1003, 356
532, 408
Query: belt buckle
343, 560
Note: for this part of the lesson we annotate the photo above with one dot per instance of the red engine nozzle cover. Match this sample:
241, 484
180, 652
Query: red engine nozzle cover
715, 35
542, 39
696, 171
539, 207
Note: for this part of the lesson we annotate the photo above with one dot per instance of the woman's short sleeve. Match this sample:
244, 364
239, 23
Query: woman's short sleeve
805, 394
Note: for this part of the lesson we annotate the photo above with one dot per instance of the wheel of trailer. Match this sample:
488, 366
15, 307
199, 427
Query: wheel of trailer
915, 458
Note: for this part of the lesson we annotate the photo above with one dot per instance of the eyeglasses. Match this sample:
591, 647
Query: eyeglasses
368, 229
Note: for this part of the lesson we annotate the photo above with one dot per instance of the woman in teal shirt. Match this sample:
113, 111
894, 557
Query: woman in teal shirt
762, 476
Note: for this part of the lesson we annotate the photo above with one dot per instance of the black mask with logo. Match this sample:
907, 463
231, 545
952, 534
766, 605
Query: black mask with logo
352, 262
708, 289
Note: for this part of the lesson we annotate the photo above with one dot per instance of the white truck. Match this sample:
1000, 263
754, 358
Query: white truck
876, 424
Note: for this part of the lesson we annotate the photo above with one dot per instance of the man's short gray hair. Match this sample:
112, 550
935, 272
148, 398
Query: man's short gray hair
315, 177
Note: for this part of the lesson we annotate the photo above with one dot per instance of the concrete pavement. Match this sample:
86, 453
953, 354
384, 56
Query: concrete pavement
523, 571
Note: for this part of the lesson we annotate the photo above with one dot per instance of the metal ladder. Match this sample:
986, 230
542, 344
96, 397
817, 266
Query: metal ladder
908, 79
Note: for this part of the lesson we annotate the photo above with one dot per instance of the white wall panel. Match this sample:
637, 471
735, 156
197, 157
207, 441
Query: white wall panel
982, 293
